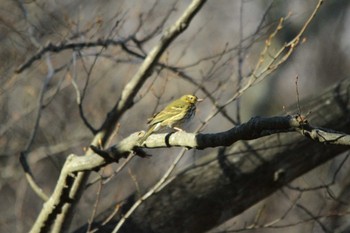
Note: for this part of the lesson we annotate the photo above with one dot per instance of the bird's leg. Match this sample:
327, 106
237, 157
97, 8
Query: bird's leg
178, 129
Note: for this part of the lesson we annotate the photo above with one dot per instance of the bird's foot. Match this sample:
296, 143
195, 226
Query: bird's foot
178, 129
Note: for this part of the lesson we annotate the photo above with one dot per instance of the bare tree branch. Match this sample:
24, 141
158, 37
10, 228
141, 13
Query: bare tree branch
58, 210
67, 46
23, 155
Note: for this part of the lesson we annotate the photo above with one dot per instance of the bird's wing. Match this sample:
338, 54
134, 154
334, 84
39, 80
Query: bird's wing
170, 113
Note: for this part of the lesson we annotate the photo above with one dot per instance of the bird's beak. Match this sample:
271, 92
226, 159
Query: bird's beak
200, 100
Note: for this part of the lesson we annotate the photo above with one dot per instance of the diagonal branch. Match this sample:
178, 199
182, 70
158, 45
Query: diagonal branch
58, 210
135, 84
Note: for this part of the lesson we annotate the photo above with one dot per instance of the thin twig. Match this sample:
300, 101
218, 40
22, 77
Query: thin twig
272, 65
153, 190
56, 48
24, 153
94, 210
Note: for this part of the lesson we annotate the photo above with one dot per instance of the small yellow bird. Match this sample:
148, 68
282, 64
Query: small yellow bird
175, 114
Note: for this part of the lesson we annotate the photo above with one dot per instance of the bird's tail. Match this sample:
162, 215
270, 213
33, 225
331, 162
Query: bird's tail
147, 134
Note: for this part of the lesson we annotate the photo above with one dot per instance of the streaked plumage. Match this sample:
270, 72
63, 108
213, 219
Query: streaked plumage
176, 113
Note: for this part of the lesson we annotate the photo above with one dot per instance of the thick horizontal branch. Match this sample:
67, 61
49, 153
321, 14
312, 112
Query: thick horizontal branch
256, 127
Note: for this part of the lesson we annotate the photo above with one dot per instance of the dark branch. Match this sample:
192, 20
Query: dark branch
256, 127
56, 48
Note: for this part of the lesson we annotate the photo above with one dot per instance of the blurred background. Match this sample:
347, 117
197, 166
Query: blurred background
217, 53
